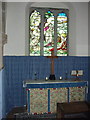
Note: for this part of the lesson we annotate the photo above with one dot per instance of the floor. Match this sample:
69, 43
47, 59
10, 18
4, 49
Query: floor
15, 110
20, 113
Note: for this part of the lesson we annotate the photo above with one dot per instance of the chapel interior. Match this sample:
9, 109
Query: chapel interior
42, 86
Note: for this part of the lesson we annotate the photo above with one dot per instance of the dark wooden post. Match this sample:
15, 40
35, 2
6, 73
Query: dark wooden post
52, 75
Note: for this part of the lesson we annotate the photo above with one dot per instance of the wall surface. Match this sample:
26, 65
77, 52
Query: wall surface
89, 46
20, 68
18, 21
0, 35
3, 94
0, 94
15, 29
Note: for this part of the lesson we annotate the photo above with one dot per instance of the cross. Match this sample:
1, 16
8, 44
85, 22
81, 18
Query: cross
52, 64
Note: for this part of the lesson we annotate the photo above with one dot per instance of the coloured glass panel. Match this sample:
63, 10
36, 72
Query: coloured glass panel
35, 20
62, 34
48, 33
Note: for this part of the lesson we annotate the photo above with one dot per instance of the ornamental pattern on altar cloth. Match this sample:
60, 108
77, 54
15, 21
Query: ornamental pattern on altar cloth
39, 98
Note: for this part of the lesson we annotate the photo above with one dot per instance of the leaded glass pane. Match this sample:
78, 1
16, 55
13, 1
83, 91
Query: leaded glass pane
48, 33
35, 20
62, 34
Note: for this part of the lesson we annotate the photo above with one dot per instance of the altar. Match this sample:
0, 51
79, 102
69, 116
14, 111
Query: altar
43, 96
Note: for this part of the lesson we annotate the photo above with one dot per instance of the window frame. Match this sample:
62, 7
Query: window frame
55, 11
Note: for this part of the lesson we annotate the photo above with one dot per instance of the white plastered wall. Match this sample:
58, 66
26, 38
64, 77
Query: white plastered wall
18, 21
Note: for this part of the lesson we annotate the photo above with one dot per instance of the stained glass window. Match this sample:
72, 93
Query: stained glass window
52, 24
35, 20
48, 32
61, 34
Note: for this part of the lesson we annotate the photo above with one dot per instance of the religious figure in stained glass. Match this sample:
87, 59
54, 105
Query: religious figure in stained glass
48, 41
62, 34
48, 32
